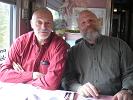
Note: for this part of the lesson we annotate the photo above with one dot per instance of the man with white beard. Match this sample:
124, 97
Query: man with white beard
99, 65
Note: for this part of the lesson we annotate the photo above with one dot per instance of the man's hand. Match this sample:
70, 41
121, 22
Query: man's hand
17, 67
88, 90
36, 75
123, 95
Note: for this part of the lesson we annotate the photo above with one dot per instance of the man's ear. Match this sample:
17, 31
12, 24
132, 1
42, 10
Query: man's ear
77, 22
31, 23
100, 21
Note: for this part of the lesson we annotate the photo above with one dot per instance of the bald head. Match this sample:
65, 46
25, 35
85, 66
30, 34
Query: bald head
88, 18
89, 25
42, 12
42, 24
87, 12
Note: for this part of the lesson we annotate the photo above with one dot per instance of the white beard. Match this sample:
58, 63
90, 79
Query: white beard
91, 37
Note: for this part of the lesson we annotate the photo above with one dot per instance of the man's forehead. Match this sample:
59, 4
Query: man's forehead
42, 16
87, 14
42, 13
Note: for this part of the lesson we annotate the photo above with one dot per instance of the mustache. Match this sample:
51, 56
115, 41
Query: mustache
45, 30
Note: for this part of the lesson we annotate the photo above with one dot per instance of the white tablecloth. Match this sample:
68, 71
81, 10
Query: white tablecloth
12, 91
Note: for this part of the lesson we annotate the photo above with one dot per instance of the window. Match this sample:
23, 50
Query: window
7, 27
54, 13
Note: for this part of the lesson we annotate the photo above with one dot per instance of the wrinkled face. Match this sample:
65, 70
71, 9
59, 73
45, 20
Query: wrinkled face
42, 24
88, 24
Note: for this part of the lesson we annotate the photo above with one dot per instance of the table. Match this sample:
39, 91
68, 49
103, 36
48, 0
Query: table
19, 91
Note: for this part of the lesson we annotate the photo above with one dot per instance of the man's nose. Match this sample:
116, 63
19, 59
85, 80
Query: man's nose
88, 23
44, 25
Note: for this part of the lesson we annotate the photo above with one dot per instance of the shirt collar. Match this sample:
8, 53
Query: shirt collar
98, 41
47, 41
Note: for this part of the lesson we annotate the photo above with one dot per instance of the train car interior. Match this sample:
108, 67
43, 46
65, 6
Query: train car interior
116, 16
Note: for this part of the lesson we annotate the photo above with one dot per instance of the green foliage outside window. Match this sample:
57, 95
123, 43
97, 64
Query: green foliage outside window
4, 25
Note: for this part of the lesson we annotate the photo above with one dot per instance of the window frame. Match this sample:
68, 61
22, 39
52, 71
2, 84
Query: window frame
11, 29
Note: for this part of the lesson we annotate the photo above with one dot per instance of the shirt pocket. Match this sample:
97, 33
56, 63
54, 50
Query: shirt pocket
44, 64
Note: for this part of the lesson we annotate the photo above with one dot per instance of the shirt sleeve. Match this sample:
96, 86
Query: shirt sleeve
52, 78
70, 77
126, 65
7, 73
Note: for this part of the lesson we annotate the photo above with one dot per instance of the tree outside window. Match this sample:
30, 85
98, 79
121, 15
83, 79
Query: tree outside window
4, 29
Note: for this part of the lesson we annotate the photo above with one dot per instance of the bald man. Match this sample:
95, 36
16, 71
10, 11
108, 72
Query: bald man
99, 65
36, 57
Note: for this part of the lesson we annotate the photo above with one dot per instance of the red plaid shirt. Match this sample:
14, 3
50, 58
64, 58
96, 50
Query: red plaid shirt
49, 60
